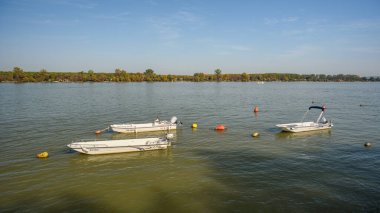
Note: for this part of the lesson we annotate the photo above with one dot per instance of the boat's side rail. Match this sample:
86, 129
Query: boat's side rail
142, 127
85, 140
166, 143
92, 140
92, 145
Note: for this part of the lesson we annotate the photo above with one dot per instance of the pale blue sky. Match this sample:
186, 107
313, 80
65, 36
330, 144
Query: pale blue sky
185, 36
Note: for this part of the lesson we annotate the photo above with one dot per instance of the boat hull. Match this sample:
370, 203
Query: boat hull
304, 127
119, 146
120, 128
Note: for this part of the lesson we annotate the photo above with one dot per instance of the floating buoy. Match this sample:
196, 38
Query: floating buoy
255, 134
220, 127
256, 109
194, 125
368, 144
43, 155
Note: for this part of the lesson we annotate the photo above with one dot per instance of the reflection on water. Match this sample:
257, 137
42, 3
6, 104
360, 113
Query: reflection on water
318, 133
122, 157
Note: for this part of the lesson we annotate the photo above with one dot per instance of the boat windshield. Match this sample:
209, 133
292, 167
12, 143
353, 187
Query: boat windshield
323, 120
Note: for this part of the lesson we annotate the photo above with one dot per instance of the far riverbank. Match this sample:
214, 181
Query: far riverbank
19, 76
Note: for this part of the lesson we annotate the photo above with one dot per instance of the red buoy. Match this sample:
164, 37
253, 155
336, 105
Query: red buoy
219, 127
256, 109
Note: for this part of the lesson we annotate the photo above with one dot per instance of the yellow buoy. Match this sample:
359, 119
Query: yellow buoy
255, 134
43, 155
194, 125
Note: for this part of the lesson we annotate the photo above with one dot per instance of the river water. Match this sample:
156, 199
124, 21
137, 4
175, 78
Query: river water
204, 170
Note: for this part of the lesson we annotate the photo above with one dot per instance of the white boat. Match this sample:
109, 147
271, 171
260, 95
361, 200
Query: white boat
320, 124
157, 125
260, 82
120, 146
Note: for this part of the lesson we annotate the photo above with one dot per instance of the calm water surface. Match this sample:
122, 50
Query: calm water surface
204, 171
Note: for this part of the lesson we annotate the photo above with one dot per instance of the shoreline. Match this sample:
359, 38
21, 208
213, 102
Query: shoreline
19, 76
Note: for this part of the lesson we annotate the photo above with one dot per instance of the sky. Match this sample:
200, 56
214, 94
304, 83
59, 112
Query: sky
190, 36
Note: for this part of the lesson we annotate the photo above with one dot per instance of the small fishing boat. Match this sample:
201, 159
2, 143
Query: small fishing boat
94, 147
320, 124
157, 125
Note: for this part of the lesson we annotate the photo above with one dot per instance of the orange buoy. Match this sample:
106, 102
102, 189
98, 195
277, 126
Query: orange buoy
256, 109
220, 127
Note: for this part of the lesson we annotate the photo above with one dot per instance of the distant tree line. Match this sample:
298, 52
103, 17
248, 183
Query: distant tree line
120, 75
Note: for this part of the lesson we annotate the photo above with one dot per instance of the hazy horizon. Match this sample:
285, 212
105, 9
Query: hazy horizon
185, 37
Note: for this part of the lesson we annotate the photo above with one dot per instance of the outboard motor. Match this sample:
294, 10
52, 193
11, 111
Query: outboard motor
173, 120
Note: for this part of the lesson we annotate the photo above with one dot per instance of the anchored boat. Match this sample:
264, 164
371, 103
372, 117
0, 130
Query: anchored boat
120, 146
320, 124
157, 125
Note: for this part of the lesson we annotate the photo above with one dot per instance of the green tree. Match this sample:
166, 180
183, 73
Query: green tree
81, 76
172, 78
149, 75
244, 77
199, 77
149, 72
126, 77
18, 74
118, 74
218, 73
91, 75
44, 75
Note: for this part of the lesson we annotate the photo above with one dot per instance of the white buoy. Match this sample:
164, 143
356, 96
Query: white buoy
368, 144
